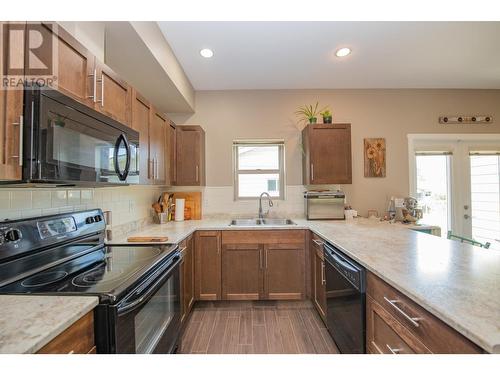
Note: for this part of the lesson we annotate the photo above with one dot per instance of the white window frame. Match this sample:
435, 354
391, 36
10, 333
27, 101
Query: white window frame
281, 165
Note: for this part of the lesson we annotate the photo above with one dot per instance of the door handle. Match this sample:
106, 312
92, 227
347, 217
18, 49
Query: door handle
393, 303
260, 258
197, 174
318, 242
312, 172
19, 156
323, 277
94, 86
393, 351
101, 81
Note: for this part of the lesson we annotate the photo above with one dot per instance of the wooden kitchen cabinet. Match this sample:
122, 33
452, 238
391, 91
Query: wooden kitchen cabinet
397, 324
284, 271
190, 155
327, 154
113, 94
172, 154
11, 112
76, 76
318, 276
208, 265
187, 277
158, 147
77, 339
141, 109
242, 271
265, 264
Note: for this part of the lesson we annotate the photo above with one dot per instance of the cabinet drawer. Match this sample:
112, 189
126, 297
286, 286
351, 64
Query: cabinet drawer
385, 335
286, 236
77, 339
435, 334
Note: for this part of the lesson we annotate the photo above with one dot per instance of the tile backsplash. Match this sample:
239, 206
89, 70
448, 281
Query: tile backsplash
127, 203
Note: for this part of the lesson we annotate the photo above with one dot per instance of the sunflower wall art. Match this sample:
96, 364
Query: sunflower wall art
374, 157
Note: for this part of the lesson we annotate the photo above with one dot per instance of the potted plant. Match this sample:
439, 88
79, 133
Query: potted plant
327, 116
309, 113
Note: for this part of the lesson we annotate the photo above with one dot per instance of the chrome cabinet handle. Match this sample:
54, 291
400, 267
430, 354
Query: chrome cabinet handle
393, 303
94, 86
102, 89
157, 169
265, 258
393, 351
197, 174
260, 258
312, 172
318, 242
323, 278
151, 169
19, 157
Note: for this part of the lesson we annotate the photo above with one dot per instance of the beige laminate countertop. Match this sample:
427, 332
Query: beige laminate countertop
28, 323
458, 283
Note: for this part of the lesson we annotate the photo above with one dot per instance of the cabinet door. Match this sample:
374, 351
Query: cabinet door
172, 141
284, 271
242, 266
75, 65
208, 265
113, 95
190, 156
11, 110
140, 122
157, 147
329, 148
319, 285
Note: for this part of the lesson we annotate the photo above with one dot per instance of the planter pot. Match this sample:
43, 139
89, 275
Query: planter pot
313, 120
327, 120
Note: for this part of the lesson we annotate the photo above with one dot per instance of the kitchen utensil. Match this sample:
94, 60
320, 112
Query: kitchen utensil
147, 239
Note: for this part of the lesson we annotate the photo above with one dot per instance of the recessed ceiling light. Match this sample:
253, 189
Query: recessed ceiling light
342, 52
207, 53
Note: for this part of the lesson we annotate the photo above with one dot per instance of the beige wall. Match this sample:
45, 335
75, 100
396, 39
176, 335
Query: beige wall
392, 114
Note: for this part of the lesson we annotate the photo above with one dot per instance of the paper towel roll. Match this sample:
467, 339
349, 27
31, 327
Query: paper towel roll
179, 209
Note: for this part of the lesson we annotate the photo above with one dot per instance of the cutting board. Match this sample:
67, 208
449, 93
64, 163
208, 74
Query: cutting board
154, 239
193, 202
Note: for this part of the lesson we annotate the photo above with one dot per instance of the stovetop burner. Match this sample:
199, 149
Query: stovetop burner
44, 279
98, 275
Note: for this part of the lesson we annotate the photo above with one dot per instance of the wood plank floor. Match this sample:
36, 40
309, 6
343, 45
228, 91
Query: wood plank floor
256, 327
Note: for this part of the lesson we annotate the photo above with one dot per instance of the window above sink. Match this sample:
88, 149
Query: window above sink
258, 167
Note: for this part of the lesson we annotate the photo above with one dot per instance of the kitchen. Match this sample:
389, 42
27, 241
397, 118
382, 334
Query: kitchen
163, 190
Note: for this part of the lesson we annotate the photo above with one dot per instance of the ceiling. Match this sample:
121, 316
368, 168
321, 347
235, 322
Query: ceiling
301, 55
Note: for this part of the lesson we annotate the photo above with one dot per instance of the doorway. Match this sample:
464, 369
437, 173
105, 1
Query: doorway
456, 179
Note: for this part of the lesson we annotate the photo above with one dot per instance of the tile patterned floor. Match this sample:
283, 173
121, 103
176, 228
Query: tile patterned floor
258, 327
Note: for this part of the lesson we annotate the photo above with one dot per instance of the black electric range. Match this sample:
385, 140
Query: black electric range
137, 286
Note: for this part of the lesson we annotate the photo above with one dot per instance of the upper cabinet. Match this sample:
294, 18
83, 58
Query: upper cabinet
327, 154
158, 147
11, 110
113, 95
190, 156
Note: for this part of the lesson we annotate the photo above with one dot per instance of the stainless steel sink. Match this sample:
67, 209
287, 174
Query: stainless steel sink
253, 222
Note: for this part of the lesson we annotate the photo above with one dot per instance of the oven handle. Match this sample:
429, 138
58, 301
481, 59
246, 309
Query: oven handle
122, 176
126, 306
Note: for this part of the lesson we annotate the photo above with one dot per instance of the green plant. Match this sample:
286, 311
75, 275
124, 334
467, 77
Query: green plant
326, 113
308, 112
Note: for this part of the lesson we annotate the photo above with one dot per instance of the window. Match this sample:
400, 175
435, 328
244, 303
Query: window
258, 167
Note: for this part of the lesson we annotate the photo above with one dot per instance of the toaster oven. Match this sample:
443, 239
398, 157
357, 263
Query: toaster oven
324, 205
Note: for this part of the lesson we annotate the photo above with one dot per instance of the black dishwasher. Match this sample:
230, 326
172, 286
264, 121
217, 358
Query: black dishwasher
345, 297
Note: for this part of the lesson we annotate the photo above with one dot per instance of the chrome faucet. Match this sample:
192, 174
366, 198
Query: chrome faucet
261, 214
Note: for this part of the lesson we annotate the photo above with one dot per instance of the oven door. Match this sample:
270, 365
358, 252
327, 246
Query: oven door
148, 320
71, 143
345, 310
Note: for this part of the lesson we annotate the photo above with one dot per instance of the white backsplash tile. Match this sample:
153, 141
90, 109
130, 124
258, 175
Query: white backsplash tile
128, 204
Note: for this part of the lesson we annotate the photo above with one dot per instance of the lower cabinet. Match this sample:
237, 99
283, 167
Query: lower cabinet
187, 277
395, 324
77, 339
208, 265
263, 265
318, 289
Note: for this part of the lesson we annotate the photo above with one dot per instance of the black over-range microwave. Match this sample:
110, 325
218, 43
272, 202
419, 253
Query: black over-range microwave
66, 142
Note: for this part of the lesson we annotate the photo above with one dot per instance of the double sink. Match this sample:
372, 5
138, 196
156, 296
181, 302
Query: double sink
263, 222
